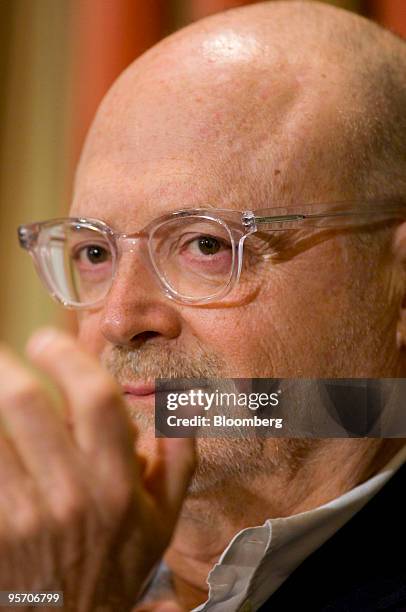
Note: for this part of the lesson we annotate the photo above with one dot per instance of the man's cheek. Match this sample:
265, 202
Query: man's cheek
245, 346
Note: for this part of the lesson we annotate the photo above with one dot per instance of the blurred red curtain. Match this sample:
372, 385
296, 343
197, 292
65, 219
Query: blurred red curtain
203, 8
390, 13
108, 35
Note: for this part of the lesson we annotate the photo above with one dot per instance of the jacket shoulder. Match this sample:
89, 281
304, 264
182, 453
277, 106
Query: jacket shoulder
361, 568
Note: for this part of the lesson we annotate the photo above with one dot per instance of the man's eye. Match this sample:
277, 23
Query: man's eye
92, 253
208, 245
96, 254
203, 244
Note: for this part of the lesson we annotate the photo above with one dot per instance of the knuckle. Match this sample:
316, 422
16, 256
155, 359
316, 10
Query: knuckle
23, 395
120, 500
27, 522
69, 507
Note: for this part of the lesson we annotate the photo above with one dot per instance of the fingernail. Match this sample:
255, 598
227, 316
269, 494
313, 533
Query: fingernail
41, 340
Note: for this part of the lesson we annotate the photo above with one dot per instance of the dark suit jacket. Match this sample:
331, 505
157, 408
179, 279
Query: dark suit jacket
362, 568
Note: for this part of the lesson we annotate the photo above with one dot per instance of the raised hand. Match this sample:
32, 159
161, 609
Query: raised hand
79, 510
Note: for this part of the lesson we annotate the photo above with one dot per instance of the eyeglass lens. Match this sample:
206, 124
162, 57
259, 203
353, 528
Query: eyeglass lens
192, 256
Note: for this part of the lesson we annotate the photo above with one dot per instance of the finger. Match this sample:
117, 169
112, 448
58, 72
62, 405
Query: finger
171, 472
100, 423
143, 464
16, 487
21, 511
11, 467
34, 428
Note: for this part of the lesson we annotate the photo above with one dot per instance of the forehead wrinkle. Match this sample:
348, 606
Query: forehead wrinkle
126, 203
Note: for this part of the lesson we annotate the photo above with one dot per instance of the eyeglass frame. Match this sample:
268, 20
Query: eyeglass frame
247, 222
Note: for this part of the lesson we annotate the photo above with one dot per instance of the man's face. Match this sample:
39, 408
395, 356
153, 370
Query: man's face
200, 128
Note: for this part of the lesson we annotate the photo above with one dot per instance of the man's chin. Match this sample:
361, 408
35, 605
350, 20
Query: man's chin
220, 461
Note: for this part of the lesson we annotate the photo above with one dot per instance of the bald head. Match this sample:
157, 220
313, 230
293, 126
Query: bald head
278, 101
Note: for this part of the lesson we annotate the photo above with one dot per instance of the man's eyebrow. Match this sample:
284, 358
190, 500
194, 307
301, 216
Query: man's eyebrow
133, 227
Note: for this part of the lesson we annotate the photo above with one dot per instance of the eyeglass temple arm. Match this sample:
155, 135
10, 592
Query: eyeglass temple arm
250, 219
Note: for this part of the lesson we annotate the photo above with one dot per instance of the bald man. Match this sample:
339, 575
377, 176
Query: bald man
280, 128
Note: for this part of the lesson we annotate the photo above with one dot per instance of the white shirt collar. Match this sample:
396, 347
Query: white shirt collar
258, 559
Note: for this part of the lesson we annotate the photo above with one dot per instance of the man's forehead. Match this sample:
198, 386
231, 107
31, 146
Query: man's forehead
209, 130
159, 115
161, 156
133, 197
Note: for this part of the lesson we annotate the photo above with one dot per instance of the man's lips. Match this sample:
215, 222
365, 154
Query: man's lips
139, 389
147, 390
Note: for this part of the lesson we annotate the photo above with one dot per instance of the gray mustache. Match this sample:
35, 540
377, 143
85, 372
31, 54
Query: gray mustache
147, 363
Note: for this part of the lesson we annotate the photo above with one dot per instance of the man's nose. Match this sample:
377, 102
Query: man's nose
136, 309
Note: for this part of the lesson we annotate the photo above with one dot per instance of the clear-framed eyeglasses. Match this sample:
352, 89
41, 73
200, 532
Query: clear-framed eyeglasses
195, 254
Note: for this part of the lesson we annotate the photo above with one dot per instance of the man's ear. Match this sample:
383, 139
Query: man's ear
399, 251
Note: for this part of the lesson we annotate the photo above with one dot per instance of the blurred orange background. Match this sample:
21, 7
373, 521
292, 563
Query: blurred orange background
58, 58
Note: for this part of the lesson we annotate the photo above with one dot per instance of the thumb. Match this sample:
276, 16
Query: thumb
170, 473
